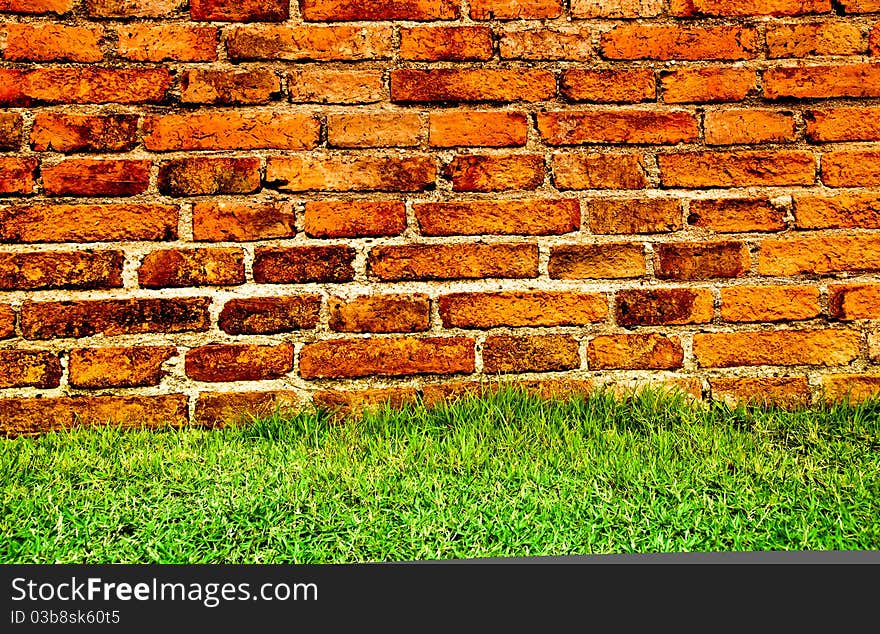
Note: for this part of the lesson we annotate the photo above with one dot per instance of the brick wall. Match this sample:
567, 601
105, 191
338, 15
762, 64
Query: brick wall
226, 205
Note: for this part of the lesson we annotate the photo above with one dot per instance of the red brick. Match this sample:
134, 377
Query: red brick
597, 261
539, 353
843, 124
731, 127
239, 362
782, 391
344, 10
354, 218
860, 6
351, 172
36, 6
229, 86
240, 10
29, 368
380, 313
814, 38
62, 132
737, 169
504, 217
825, 81
87, 223
269, 315
637, 41
599, 171
650, 351
454, 43
781, 347
493, 172
17, 175
701, 260
88, 177
48, 42
617, 126
84, 85
854, 301
845, 211
204, 176
707, 84
515, 309
630, 85
84, 318
34, 270
739, 8
133, 8
453, 261
385, 129
349, 358
850, 387
170, 268
521, 9
166, 42
304, 43
298, 265
10, 130
7, 321
472, 84
851, 169
231, 130
348, 404
118, 367
336, 86
664, 306
648, 215
566, 44
769, 303
32, 416
735, 215
242, 221
475, 128
820, 255
222, 409
616, 8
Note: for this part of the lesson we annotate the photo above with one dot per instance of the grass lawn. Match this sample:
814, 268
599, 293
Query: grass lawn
504, 475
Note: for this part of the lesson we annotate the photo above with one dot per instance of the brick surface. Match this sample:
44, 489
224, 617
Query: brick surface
118, 367
491, 310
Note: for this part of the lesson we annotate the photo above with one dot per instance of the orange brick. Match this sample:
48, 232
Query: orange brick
637, 41
539, 353
62, 132
630, 85
860, 6
734, 8
132, 8
84, 85
29, 368
844, 211
343, 10
648, 215
47, 42
597, 261
351, 358
87, 223
781, 347
454, 43
239, 362
780, 391
822, 81
229, 130
36, 6
571, 127
241, 221
10, 130
336, 86
228, 86
380, 313
616, 8
166, 42
769, 303
33, 270
507, 217
708, 84
308, 43
240, 10
204, 176
843, 124
298, 265
475, 128
351, 172
664, 306
850, 387
87, 177
814, 38
170, 268
490, 173
453, 261
472, 84
269, 315
520, 9
7, 321
118, 367
383, 129
851, 169
854, 301
819, 255
599, 171
635, 352
223, 409
701, 260
737, 169
735, 215
568, 44
732, 127
353, 403
354, 218
17, 175
522, 308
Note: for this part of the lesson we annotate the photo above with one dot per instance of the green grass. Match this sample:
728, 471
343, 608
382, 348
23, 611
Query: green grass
506, 475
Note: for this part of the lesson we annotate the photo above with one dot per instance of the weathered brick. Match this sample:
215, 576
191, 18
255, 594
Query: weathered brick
228, 86
305, 43
10, 130
382, 129
707, 84
32, 416
84, 318
769, 303
740, 8
731, 127
843, 124
380, 313
84, 85
63, 132
94, 177
503, 217
240, 10
522, 308
29, 368
118, 367
435, 393
737, 169
493, 172
269, 315
336, 86
819, 255
538, 353
36, 270
453, 261
850, 387
735, 215
617, 126
203, 176
648, 215
782, 347
597, 261
638, 41
242, 221
630, 85
351, 358
132, 8
701, 260
48, 42
851, 169
472, 84
844, 211
664, 306
354, 218
231, 130
781, 391
170, 268
616, 8
475, 128
7, 321
568, 44
521, 9
17, 175
353, 403
166, 42
36, 6
239, 362
847, 302
822, 81
453, 43
298, 265
860, 6
599, 171
634, 352
351, 172
814, 38
343, 10
222, 409
87, 223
